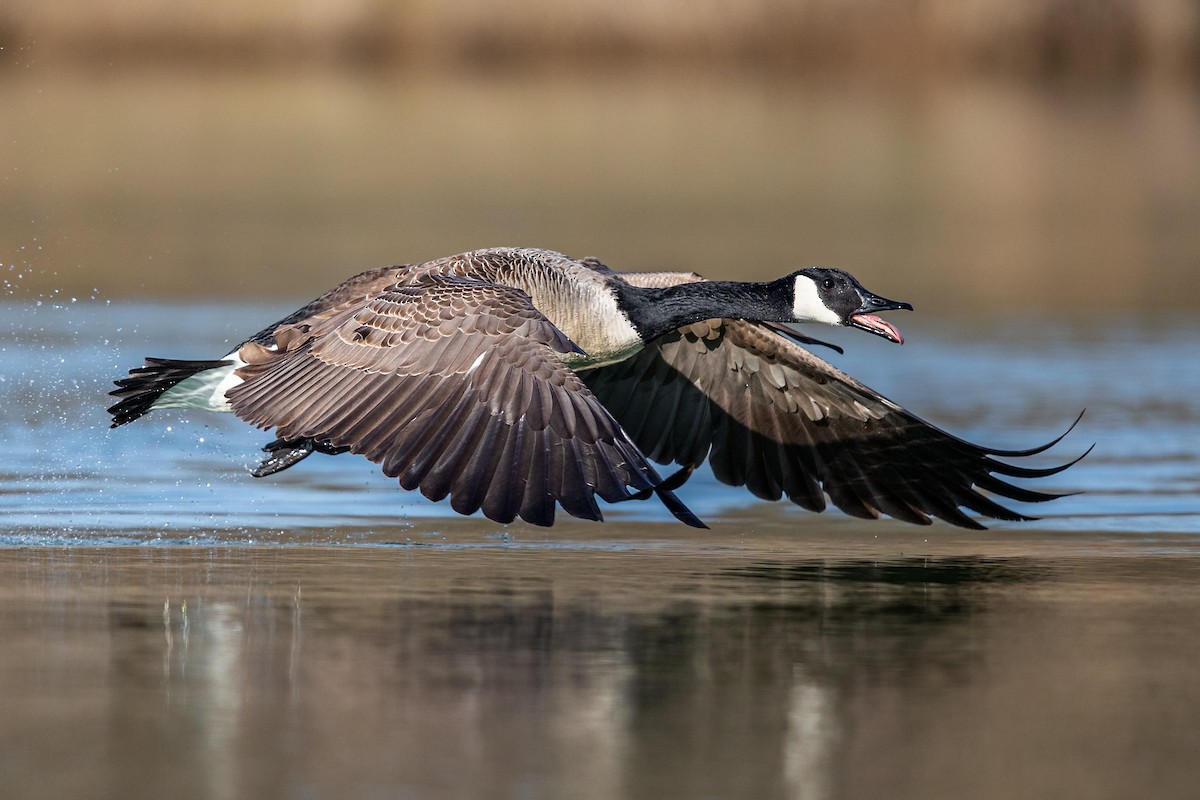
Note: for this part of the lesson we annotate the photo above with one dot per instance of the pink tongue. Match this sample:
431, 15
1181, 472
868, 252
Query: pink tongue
886, 328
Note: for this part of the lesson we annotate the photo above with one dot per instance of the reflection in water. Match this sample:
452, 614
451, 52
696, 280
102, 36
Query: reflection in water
219, 707
901, 572
887, 605
551, 674
726, 669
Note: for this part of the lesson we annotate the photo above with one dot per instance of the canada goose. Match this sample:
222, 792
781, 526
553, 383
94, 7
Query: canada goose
513, 380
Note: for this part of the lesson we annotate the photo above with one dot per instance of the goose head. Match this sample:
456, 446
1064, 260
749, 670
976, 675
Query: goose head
835, 297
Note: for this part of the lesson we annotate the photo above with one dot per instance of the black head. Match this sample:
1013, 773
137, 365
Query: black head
835, 297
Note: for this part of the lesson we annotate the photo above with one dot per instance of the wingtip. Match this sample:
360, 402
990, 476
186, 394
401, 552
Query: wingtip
680, 511
1033, 451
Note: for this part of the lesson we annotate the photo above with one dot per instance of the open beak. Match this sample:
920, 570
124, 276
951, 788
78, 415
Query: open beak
864, 317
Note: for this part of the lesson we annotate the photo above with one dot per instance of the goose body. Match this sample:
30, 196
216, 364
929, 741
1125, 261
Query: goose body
517, 380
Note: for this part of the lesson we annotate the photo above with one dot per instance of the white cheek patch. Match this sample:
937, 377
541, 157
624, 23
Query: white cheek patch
807, 305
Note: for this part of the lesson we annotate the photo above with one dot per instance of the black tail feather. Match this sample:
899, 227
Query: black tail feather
146, 384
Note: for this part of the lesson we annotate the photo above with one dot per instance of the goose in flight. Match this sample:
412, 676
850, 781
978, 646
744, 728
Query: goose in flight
515, 380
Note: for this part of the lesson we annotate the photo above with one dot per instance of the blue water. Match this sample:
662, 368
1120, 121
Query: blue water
416, 653
182, 477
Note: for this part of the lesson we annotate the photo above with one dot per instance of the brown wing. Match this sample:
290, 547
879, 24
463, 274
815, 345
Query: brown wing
455, 387
771, 416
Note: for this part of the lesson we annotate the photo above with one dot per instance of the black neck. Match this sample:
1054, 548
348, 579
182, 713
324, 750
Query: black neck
655, 312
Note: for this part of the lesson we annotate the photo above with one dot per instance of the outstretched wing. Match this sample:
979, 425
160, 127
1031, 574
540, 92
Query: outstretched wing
773, 417
456, 387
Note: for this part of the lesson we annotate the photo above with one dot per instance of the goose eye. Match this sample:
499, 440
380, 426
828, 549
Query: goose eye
827, 284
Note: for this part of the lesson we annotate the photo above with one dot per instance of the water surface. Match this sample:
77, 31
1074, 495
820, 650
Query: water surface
173, 626
809, 665
1006, 383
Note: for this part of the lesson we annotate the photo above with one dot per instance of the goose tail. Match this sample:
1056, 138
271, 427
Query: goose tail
146, 385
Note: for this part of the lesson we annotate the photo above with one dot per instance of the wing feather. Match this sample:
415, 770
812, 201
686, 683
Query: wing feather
455, 387
771, 416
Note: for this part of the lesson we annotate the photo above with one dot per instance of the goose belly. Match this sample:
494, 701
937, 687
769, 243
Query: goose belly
600, 358
604, 338
587, 312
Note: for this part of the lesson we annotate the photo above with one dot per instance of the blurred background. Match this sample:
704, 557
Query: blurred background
176, 173
971, 157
